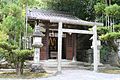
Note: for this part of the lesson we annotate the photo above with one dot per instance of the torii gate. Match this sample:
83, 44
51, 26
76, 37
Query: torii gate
93, 32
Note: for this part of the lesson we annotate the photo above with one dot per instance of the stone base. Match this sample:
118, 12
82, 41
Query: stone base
58, 73
99, 64
73, 60
37, 68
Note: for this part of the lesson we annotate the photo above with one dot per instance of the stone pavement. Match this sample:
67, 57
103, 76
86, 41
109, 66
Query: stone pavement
78, 75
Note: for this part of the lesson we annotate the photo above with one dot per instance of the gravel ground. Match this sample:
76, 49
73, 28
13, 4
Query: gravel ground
78, 75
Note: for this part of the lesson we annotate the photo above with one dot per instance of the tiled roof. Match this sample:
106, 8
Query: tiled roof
38, 14
54, 16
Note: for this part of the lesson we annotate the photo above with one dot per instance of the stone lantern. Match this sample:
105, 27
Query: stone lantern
37, 43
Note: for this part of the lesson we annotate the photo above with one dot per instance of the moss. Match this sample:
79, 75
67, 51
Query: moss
111, 71
26, 75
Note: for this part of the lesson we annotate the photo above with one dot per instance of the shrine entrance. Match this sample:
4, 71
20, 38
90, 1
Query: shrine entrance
53, 48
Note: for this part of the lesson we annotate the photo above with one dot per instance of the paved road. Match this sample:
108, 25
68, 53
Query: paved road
79, 75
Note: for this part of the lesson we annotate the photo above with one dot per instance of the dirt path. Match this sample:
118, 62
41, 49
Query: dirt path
79, 75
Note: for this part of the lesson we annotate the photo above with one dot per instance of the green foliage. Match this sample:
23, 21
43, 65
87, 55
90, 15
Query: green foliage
12, 10
13, 55
23, 3
117, 28
41, 4
13, 19
29, 30
3, 39
116, 1
9, 22
21, 55
7, 51
2, 51
12, 49
113, 10
106, 34
110, 36
13, 26
99, 8
3, 36
80, 8
104, 51
5, 45
102, 30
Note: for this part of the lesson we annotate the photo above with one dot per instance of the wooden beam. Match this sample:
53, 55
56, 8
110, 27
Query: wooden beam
75, 22
59, 46
77, 31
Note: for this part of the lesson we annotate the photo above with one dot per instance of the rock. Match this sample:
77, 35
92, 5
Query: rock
37, 68
3, 64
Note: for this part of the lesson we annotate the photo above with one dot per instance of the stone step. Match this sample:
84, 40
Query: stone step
52, 64
64, 64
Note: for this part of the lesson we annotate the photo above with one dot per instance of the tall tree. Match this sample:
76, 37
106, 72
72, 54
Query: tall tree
12, 23
13, 19
80, 8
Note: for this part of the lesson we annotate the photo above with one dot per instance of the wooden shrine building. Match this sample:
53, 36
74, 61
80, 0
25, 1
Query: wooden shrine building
61, 30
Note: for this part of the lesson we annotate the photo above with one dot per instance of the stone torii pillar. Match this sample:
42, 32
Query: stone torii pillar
95, 53
59, 47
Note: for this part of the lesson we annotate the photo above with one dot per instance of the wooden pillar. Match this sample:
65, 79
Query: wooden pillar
47, 41
59, 46
74, 47
95, 62
69, 47
43, 52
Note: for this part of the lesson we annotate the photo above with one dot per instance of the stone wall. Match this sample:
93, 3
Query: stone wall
83, 44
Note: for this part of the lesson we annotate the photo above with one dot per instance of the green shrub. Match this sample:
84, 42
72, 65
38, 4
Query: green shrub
14, 55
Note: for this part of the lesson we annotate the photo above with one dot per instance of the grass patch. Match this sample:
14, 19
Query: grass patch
26, 75
111, 71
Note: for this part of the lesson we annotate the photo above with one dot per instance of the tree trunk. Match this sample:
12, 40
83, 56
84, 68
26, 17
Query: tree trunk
106, 2
114, 58
113, 25
19, 68
20, 40
102, 18
109, 2
106, 21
